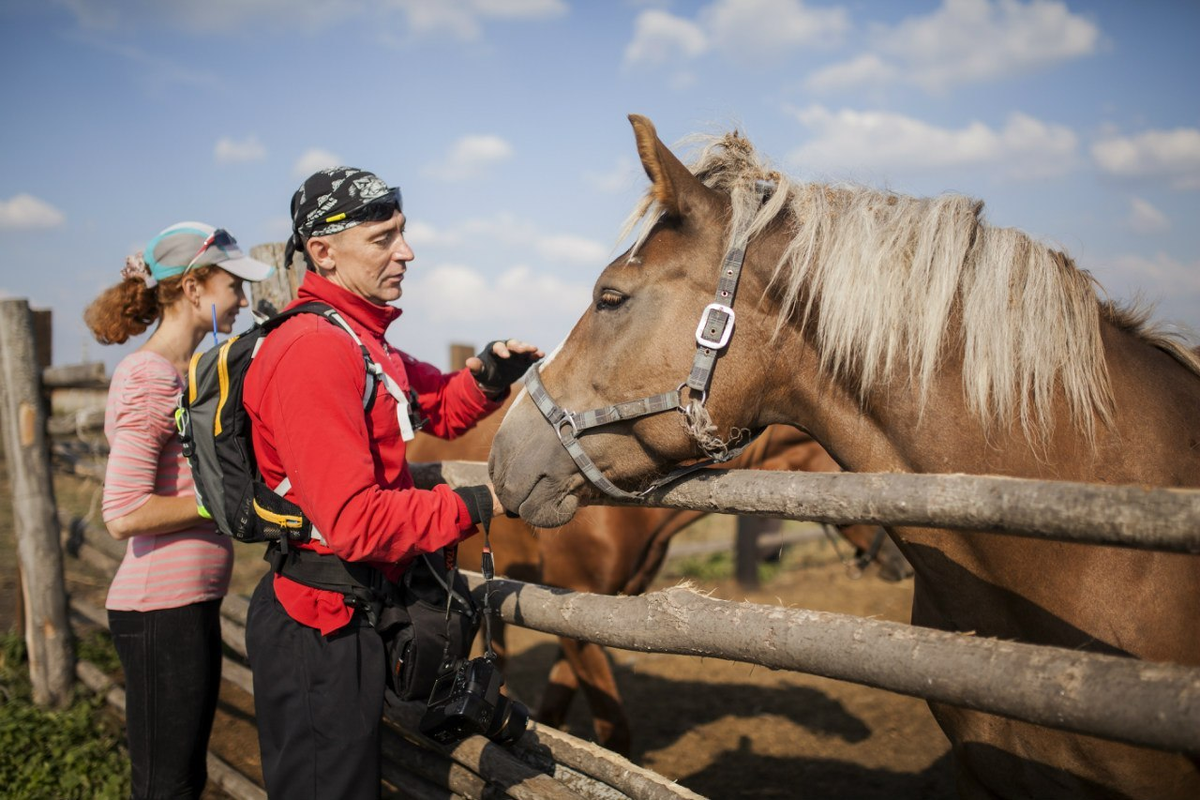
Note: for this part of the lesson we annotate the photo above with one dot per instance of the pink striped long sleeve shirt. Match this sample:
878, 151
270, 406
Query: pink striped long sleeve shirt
166, 570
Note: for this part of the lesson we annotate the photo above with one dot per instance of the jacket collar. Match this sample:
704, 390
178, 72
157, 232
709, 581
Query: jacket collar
358, 310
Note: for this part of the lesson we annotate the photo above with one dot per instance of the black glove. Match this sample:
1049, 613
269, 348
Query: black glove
478, 500
497, 373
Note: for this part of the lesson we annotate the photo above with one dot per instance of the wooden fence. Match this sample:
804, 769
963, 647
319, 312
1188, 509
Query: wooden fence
1160, 703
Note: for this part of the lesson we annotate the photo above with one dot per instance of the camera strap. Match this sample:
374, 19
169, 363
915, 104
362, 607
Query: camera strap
488, 568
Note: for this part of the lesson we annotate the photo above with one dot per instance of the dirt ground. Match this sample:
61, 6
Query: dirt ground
731, 730
725, 730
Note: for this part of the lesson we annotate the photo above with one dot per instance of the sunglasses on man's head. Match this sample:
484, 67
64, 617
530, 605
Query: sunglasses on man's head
220, 239
377, 210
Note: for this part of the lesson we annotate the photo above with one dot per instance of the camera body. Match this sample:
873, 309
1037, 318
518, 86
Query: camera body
466, 700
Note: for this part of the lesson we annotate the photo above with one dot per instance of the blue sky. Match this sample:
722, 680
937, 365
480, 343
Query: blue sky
504, 123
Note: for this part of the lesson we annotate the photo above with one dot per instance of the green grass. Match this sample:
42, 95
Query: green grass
77, 752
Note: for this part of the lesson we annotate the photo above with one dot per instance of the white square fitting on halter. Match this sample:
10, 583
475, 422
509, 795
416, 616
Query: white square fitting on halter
715, 344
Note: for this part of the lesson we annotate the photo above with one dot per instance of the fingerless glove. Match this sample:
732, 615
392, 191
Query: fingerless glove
497, 374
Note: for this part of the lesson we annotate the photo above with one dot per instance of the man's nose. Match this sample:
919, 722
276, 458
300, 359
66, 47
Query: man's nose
403, 252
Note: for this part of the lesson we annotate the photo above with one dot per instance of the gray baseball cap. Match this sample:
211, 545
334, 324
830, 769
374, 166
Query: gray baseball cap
186, 245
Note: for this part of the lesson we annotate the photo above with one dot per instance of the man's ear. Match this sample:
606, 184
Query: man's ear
320, 252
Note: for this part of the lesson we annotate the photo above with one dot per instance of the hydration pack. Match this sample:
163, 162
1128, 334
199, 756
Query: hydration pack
215, 430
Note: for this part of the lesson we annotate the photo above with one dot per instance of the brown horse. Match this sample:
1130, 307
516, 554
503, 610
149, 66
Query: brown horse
619, 550
906, 335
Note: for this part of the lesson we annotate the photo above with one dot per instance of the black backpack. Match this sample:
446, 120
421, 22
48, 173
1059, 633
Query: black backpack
215, 431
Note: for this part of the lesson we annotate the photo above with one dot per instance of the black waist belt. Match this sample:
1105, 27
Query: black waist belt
328, 572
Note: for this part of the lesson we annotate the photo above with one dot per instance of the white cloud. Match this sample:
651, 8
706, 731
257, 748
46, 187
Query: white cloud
1145, 218
967, 41
1173, 154
421, 234
460, 19
461, 294
622, 176
26, 212
878, 140
868, 69
470, 156
1172, 285
572, 249
741, 30
233, 151
210, 16
456, 302
463, 19
315, 159
660, 37
751, 29
509, 231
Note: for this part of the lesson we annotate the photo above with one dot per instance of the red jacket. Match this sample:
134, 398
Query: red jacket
347, 467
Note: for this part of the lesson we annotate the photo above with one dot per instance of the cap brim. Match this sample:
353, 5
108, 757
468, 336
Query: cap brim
248, 269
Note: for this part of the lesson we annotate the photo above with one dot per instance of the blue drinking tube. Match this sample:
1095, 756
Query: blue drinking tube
214, 310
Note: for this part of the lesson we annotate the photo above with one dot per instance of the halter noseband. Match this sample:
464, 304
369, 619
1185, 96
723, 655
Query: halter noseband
712, 336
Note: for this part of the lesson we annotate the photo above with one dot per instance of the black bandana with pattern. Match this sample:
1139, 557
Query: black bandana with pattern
333, 192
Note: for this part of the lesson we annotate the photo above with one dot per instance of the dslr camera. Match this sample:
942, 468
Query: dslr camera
466, 700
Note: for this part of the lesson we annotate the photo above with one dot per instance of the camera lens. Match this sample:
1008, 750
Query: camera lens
509, 721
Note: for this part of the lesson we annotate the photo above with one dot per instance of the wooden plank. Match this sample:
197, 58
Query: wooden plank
67, 376
481, 756
1124, 699
35, 520
81, 423
459, 353
272, 294
1125, 516
43, 336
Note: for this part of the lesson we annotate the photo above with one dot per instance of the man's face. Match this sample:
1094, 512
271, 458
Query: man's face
370, 259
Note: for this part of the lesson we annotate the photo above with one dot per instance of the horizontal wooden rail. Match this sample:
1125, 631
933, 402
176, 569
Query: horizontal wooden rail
1125, 516
1159, 703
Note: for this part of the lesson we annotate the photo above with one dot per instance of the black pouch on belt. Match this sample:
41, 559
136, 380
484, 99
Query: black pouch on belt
422, 628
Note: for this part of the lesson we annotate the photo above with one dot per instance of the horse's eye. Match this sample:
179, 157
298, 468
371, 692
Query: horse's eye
609, 298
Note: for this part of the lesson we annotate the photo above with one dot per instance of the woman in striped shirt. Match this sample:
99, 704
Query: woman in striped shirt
164, 603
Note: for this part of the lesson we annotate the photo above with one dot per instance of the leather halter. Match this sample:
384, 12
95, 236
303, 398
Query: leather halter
712, 336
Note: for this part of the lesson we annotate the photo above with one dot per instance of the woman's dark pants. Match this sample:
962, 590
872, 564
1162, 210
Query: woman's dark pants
172, 663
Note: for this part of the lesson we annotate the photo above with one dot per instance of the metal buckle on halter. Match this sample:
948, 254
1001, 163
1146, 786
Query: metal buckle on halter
566, 418
705, 316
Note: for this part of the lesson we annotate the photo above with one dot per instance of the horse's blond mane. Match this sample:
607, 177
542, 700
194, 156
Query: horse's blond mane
893, 282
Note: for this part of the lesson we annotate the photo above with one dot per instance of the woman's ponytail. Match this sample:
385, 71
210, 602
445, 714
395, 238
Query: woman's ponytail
126, 309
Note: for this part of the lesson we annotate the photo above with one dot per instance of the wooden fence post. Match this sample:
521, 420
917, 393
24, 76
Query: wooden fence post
745, 554
47, 629
459, 353
279, 289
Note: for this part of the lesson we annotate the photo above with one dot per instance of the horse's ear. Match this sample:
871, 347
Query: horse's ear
676, 189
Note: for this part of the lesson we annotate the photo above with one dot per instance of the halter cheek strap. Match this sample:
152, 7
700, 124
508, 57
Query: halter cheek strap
712, 336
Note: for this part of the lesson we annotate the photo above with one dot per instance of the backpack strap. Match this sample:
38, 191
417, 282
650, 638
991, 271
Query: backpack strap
375, 377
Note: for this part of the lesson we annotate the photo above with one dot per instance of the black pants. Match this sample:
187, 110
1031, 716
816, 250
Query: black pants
318, 701
172, 663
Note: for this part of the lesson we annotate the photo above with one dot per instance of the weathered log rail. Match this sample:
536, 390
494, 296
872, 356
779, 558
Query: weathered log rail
1059, 688
1124, 516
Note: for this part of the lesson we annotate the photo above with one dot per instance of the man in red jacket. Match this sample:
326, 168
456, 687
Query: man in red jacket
332, 439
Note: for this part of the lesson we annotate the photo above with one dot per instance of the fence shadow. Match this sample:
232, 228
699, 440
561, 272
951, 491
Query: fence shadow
664, 711
820, 778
